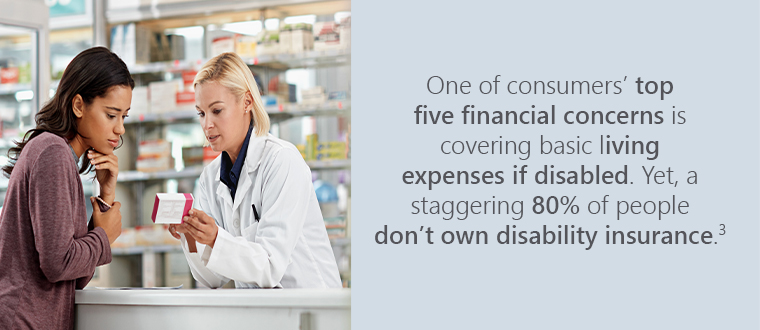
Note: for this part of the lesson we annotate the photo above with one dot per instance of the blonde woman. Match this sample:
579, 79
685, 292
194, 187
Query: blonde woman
258, 222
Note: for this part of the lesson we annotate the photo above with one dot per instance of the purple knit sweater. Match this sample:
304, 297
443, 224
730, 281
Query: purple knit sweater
46, 248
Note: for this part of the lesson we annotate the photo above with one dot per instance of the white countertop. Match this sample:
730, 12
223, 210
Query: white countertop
306, 298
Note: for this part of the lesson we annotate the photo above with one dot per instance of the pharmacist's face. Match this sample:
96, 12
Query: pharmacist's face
222, 116
101, 123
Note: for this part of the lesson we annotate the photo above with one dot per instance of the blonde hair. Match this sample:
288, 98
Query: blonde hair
229, 70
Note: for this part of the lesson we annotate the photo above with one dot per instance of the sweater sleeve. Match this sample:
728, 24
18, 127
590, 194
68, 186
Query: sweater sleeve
83, 281
52, 209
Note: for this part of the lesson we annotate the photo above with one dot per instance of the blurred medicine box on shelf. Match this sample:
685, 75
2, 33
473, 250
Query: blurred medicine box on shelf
192, 156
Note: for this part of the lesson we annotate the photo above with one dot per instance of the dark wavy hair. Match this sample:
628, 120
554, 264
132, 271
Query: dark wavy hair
90, 74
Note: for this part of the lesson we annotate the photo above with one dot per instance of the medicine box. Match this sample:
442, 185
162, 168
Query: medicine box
171, 208
163, 96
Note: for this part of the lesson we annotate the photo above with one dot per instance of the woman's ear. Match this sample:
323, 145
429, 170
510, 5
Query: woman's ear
77, 104
248, 101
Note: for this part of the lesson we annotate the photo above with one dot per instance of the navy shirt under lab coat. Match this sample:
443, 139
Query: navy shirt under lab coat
230, 173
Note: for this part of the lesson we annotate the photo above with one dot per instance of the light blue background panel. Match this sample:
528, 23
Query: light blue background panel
710, 54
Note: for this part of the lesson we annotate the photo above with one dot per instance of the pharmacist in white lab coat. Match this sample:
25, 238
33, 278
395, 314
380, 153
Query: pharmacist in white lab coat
257, 220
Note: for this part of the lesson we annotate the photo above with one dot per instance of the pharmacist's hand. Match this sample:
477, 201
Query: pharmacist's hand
173, 231
200, 226
110, 220
106, 171
190, 240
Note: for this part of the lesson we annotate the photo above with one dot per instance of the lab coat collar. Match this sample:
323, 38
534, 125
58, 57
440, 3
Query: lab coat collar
253, 158
254, 154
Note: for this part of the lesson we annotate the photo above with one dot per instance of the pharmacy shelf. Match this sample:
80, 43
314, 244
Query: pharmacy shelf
135, 176
9, 89
199, 11
195, 171
7, 143
309, 59
340, 241
144, 249
161, 67
282, 112
276, 113
182, 115
329, 164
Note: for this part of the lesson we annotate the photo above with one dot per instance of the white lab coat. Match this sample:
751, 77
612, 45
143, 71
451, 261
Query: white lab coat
288, 247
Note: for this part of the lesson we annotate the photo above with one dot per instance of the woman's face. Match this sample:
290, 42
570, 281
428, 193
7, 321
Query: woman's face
222, 116
101, 123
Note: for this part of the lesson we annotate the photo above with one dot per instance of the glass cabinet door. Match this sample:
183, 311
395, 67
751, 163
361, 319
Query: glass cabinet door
18, 101
18, 86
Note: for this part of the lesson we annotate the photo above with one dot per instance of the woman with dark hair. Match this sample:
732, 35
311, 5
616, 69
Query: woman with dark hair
47, 249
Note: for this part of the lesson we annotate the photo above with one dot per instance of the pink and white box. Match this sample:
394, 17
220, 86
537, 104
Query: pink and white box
171, 208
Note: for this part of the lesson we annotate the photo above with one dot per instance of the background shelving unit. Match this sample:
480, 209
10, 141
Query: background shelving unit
138, 188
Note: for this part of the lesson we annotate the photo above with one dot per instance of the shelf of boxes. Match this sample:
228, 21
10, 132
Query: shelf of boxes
329, 164
307, 59
6, 143
276, 113
195, 171
120, 11
7, 89
129, 176
145, 249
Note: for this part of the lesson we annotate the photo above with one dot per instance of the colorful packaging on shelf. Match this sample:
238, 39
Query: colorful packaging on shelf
222, 45
185, 99
330, 150
154, 155
148, 235
268, 44
311, 146
126, 239
171, 208
345, 32
163, 96
335, 222
341, 95
330, 155
25, 73
314, 95
167, 237
245, 46
334, 233
192, 156
331, 146
132, 43
9, 76
209, 155
286, 39
301, 38
176, 47
140, 101
326, 36
269, 100
154, 163
302, 149
188, 77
